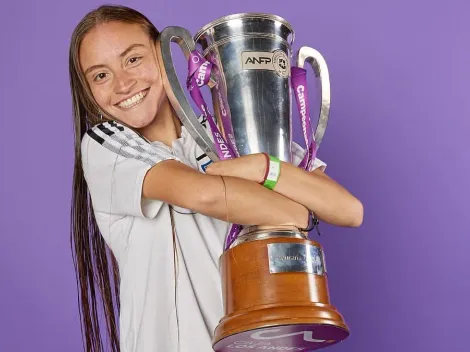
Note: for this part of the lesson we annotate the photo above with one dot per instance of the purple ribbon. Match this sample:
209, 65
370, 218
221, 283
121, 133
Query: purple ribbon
299, 85
199, 75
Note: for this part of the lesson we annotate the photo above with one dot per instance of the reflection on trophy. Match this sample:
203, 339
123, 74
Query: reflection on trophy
274, 278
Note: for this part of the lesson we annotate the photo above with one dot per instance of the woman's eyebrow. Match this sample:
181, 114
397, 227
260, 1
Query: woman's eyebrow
124, 53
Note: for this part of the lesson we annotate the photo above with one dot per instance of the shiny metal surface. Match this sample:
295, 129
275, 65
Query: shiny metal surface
252, 52
320, 68
173, 88
239, 16
255, 233
295, 257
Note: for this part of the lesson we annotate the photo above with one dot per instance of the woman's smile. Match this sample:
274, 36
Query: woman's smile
134, 100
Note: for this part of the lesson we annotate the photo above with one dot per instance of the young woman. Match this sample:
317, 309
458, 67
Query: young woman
139, 190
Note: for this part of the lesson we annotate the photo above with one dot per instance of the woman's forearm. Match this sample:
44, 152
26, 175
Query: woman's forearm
248, 203
330, 201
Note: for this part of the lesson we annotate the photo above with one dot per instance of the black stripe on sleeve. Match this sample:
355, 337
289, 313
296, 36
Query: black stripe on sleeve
114, 124
202, 156
94, 136
105, 130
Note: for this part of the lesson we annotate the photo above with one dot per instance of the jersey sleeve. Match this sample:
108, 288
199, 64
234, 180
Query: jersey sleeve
115, 161
298, 154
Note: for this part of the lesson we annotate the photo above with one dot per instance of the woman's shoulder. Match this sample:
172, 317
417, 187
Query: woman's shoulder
111, 140
115, 161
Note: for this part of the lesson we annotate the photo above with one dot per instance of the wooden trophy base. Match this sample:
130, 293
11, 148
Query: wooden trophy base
276, 295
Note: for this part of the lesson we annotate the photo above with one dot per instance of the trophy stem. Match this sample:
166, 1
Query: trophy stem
261, 232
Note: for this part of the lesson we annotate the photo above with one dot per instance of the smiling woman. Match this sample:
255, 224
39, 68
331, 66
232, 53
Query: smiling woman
148, 223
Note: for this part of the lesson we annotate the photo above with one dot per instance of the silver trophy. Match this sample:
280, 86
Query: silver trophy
252, 103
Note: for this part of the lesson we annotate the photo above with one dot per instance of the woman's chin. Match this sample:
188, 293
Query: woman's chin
135, 119
141, 123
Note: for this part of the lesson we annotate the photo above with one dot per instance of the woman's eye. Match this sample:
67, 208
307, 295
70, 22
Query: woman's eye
100, 76
133, 60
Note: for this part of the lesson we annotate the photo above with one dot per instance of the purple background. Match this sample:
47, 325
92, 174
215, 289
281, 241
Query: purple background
397, 138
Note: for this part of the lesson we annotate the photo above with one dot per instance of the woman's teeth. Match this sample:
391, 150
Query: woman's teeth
132, 101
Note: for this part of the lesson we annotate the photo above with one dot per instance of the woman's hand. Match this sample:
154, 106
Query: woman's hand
250, 167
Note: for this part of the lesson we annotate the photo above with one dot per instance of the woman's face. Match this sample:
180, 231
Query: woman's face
119, 63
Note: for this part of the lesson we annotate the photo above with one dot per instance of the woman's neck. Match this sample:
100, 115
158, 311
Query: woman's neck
165, 128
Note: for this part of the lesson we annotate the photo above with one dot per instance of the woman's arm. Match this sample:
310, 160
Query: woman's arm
331, 202
243, 201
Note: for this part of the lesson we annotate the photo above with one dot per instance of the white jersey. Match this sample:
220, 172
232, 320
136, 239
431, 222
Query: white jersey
158, 313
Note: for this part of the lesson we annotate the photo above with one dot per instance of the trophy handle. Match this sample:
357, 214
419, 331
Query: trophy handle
173, 87
318, 63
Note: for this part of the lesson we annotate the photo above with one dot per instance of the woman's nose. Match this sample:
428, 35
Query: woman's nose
124, 83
